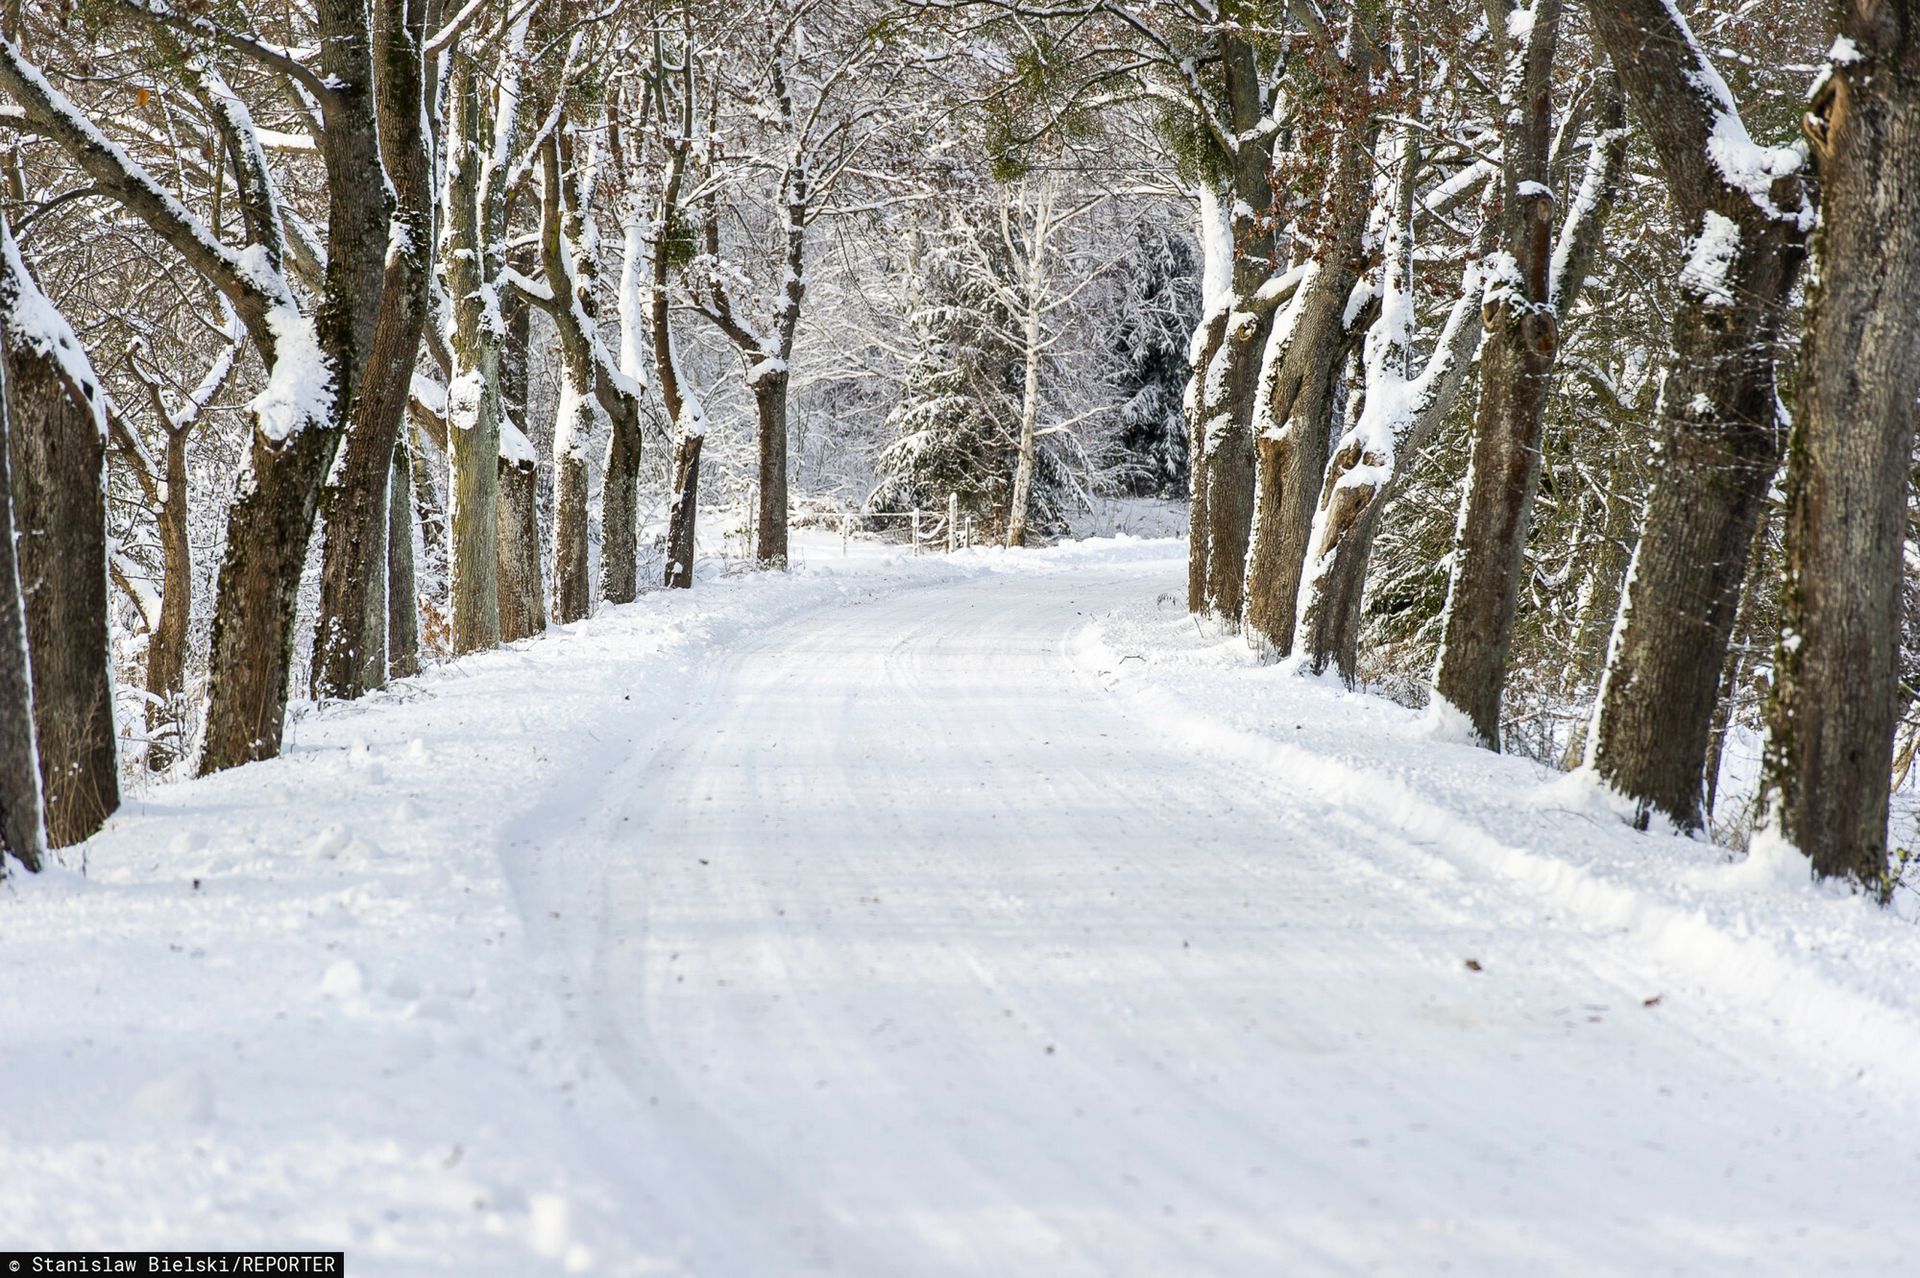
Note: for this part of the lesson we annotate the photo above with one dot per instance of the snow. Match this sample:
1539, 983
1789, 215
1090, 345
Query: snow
299, 389
1216, 249
515, 448
461, 399
33, 322
1743, 163
975, 915
1709, 258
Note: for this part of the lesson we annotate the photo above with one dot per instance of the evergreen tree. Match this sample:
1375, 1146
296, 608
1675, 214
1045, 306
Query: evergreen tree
1161, 308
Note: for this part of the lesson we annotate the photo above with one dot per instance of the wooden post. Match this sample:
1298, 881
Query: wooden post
953, 522
916, 530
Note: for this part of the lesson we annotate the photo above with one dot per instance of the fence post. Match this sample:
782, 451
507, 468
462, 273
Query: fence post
916, 530
846, 533
953, 522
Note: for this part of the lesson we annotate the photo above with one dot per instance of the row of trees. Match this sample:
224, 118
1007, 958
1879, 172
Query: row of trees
1405, 208
350, 210
1537, 355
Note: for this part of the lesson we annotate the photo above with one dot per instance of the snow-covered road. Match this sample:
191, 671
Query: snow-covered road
937, 962
904, 919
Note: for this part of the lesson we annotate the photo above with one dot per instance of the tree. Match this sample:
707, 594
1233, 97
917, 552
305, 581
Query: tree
311, 355
164, 485
1308, 341
484, 447
1832, 715
353, 646
1029, 220
1748, 217
1401, 404
1532, 281
57, 416
589, 376
1151, 368
822, 93
22, 814
672, 88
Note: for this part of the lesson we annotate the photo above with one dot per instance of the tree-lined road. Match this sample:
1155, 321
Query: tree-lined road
930, 959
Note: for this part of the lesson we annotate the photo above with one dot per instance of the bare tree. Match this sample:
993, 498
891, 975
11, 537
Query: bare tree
672, 84
818, 83
22, 812
1718, 411
485, 449
163, 483
352, 644
1516, 360
57, 416
1832, 717
311, 355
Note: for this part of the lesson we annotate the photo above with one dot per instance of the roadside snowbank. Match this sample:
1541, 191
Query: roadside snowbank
1833, 971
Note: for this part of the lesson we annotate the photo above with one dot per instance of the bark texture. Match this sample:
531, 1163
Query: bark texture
620, 507
1833, 715
1718, 417
685, 496
471, 246
1516, 360
1293, 412
1201, 354
58, 442
403, 597
522, 605
1228, 453
22, 817
770, 527
351, 639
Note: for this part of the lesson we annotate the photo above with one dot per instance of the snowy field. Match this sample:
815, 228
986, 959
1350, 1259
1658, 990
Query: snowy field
980, 915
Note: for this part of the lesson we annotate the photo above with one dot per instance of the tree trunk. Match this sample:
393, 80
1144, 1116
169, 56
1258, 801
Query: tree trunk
1201, 354
572, 590
22, 816
1720, 434
351, 636
429, 505
1294, 416
620, 508
1029, 407
471, 244
522, 594
403, 596
770, 398
1490, 547
1228, 461
167, 645
268, 529
59, 511
1834, 709
680, 521
1516, 363
473, 567
1229, 454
